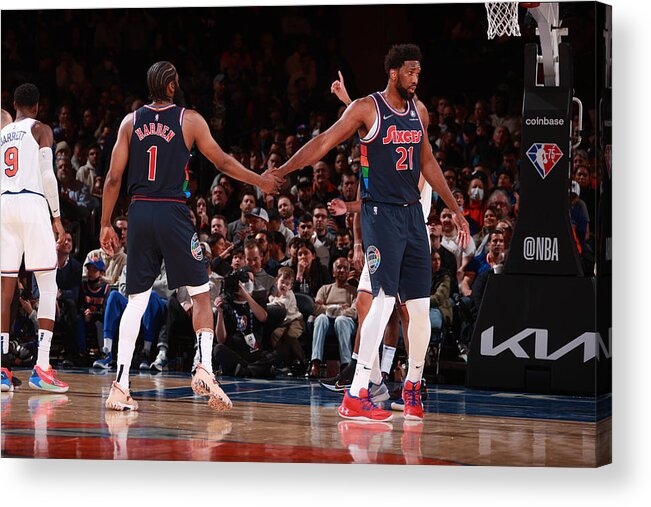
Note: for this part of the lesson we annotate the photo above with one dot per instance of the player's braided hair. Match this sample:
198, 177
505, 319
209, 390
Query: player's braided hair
159, 76
399, 54
26, 95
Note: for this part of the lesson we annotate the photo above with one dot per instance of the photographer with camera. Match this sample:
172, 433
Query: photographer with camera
238, 330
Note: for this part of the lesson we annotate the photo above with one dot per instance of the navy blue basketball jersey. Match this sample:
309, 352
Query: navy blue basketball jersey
158, 156
390, 154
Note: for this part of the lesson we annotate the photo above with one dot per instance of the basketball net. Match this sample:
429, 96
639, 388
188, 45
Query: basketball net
502, 19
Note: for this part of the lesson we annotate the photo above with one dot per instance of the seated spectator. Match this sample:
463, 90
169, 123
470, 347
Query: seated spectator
277, 224
349, 184
341, 245
151, 321
490, 224
506, 226
88, 172
324, 190
493, 260
322, 226
178, 318
449, 242
238, 351
219, 203
440, 303
311, 275
258, 221
334, 311
237, 259
286, 212
218, 224
220, 253
306, 232
74, 197
500, 199
285, 338
265, 286
201, 211
305, 200
92, 300
116, 263
476, 201
239, 229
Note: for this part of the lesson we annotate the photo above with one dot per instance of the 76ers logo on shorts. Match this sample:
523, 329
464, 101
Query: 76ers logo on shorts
195, 247
544, 156
373, 258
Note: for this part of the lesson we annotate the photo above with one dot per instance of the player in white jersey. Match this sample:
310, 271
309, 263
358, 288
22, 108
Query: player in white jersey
28, 187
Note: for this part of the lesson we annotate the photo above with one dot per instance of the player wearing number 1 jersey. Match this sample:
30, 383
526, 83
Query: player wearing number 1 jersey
28, 188
395, 151
155, 141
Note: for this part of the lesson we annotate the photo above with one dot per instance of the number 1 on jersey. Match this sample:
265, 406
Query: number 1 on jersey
153, 152
11, 159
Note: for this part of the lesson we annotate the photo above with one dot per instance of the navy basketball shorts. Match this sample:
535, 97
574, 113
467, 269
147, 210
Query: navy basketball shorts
397, 249
160, 231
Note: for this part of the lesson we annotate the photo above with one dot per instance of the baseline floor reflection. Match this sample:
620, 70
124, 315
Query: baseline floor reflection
296, 421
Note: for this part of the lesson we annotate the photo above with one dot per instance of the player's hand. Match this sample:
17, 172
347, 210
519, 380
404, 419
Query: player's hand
108, 240
59, 231
463, 235
339, 89
271, 181
358, 257
337, 207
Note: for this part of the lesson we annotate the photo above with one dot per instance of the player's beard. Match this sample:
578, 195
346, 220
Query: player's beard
404, 92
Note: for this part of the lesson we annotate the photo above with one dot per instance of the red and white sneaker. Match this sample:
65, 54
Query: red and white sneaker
46, 380
413, 403
361, 408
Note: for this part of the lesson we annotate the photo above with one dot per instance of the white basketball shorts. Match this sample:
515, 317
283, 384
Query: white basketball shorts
26, 229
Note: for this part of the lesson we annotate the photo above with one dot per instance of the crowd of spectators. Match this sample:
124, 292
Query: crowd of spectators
282, 276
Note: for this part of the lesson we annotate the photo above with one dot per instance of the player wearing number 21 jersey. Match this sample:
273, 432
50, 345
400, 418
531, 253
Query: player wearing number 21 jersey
395, 150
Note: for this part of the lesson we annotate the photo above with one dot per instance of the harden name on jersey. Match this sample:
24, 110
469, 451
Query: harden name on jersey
155, 129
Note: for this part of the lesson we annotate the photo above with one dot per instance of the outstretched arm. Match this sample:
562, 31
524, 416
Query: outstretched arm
198, 131
354, 117
119, 157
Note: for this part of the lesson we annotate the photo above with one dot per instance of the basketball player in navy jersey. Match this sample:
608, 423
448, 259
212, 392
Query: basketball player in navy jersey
395, 151
156, 140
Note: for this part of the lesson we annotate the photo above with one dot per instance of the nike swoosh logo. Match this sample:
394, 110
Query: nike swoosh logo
340, 386
385, 117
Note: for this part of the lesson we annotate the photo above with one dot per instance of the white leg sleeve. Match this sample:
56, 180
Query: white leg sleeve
47, 287
129, 329
419, 332
371, 337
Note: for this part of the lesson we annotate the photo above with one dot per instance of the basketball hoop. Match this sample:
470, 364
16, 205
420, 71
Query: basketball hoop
503, 18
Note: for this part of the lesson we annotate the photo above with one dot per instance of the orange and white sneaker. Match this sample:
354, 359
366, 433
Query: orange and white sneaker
46, 380
413, 402
205, 384
119, 399
362, 408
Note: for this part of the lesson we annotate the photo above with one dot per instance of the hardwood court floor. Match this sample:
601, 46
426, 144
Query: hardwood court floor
296, 421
